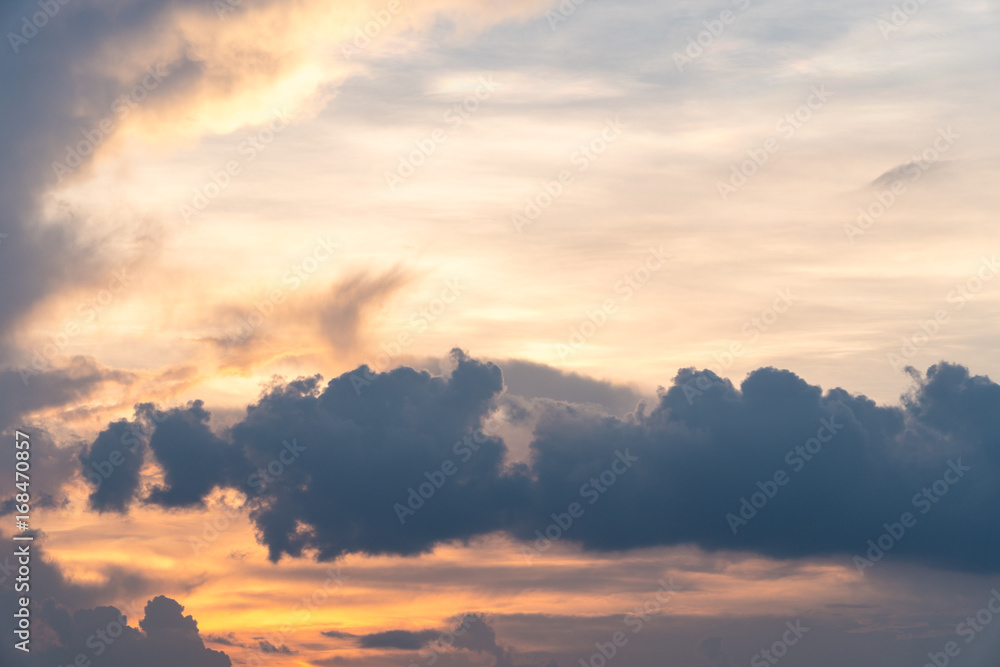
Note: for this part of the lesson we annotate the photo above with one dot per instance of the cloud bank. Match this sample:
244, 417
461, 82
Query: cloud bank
404, 461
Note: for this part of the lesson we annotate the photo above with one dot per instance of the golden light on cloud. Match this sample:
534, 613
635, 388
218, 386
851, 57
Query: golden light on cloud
560, 249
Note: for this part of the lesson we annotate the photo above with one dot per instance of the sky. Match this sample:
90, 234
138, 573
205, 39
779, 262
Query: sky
401, 333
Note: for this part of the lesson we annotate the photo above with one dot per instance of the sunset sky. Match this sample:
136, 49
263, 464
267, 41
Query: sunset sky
400, 333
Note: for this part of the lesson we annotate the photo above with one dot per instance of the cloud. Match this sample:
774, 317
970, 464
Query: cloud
267, 647
259, 645
194, 460
884, 638
399, 639
950, 400
68, 620
53, 467
37, 390
479, 636
711, 649
54, 464
225, 641
351, 302
907, 172
157, 72
112, 465
701, 451
533, 380
164, 638
367, 472
371, 446
471, 633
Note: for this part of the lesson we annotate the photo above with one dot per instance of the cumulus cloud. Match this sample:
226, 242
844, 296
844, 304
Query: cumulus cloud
399, 463
112, 464
68, 619
709, 445
363, 446
194, 460
165, 637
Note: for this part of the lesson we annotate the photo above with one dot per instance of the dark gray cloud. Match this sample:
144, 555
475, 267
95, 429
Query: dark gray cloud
471, 633
401, 639
702, 451
480, 637
362, 452
112, 464
194, 460
827, 470
532, 380
952, 401
259, 645
165, 638
265, 646
882, 638
229, 640
68, 619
